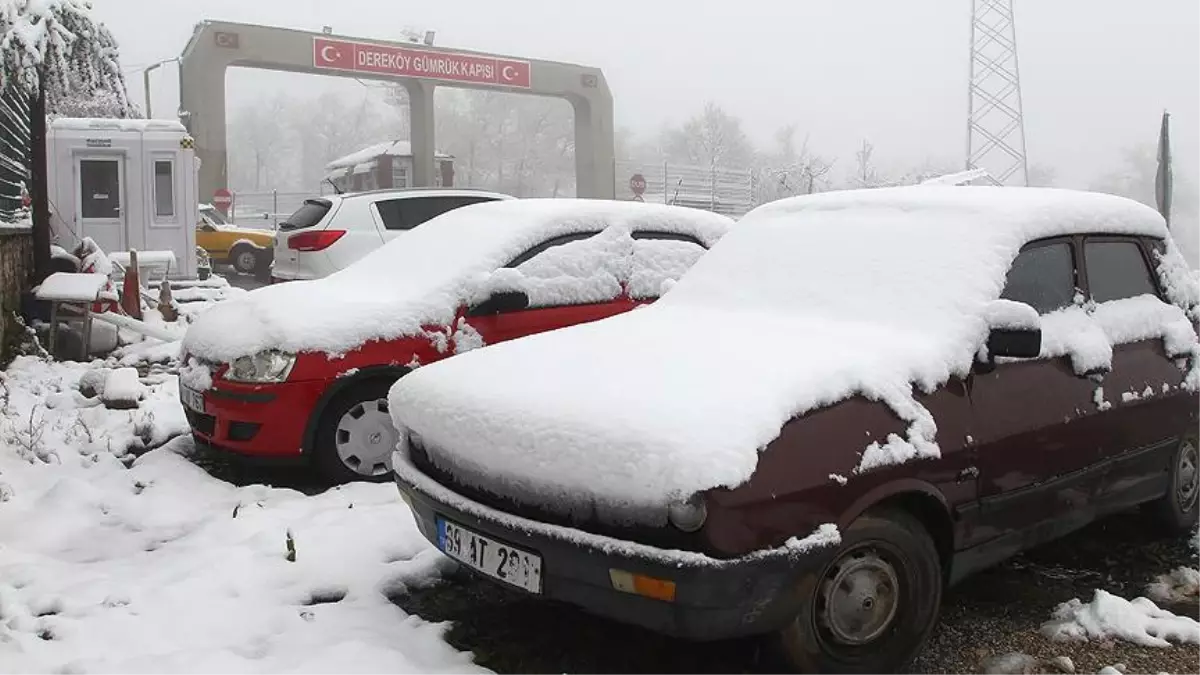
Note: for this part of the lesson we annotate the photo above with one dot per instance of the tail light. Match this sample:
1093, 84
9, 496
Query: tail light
314, 241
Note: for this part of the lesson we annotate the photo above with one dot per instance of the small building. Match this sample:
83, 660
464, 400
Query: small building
127, 184
384, 165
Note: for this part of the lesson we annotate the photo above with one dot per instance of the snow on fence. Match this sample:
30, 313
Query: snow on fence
726, 191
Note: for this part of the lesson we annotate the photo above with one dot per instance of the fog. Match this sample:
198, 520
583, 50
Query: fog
1095, 74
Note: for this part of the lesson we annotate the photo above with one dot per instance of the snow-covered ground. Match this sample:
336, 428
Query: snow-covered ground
113, 564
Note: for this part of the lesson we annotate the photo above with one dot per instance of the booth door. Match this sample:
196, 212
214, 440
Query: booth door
101, 212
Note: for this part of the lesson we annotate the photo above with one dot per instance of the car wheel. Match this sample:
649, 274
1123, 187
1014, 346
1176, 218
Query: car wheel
873, 607
1179, 509
244, 259
356, 437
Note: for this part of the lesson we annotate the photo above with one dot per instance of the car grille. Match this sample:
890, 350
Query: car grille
665, 537
204, 424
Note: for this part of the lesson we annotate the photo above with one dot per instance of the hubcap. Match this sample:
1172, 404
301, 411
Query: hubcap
366, 438
1186, 479
246, 261
860, 596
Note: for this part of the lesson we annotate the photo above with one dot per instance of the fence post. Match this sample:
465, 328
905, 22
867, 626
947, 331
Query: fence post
712, 188
274, 209
666, 198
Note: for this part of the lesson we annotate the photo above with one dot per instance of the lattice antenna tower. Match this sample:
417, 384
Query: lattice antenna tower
995, 126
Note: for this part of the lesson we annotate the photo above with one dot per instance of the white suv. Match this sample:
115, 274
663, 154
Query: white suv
327, 234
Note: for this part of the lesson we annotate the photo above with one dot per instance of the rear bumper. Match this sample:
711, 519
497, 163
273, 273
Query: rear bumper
715, 598
266, 421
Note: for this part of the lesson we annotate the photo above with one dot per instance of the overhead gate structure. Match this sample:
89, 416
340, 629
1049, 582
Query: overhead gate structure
215, 46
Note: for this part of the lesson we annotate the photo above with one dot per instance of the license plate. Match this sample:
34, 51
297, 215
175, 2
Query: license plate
493, 558
191, 399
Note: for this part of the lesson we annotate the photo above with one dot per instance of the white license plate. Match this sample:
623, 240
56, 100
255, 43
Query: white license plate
494, 558
191, 399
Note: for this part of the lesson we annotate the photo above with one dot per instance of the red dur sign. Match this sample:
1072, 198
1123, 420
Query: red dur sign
424, 63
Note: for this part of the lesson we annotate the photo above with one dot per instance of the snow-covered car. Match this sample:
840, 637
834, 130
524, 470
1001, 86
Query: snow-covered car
327, 234
851, 401
301, 370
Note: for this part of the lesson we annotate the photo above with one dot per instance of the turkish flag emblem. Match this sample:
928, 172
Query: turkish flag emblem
513, 73
333, 54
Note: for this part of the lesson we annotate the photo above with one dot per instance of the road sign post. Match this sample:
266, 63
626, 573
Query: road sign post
223, 199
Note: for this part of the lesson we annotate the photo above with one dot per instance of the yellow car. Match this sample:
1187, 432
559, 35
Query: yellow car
249, 251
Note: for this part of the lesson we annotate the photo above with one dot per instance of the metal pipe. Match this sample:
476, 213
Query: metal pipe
146, 82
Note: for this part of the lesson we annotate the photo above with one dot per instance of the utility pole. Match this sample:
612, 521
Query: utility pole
995, 124
146, 81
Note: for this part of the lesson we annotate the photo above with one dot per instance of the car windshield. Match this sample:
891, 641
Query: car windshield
213, 216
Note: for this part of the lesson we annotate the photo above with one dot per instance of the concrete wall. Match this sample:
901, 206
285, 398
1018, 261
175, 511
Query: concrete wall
16, 272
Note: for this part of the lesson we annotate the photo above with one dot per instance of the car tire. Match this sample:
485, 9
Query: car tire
355, 437
244, 259
1178, 511
887, 559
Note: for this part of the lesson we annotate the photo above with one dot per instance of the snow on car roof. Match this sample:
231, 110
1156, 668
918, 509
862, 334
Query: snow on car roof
806, 302
420, 278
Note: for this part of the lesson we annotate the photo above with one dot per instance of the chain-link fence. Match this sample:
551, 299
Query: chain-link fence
14, 153
726, 191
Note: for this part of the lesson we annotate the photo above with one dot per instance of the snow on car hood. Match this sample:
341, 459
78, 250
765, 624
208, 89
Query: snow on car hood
418, 279
805, 303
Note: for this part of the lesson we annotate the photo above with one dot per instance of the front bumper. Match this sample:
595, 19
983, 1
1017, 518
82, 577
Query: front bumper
265, 421
715, 598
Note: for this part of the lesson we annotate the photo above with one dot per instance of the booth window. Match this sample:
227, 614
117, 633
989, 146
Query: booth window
164, 188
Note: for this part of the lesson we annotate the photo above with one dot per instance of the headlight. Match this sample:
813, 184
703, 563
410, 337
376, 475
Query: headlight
268, 366
688, 515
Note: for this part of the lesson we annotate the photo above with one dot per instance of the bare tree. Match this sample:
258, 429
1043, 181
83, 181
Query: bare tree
865, 173
787, 170
711, 138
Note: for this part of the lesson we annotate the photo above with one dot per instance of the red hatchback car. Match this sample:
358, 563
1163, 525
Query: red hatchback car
301, 371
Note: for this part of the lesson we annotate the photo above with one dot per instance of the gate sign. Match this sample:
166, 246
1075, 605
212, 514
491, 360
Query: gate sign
637, 184
223, 199
362, 57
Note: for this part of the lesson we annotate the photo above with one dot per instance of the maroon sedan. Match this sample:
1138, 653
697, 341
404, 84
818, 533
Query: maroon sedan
852, 401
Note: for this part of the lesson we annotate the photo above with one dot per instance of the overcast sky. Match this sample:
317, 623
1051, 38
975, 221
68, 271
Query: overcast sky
1096, 74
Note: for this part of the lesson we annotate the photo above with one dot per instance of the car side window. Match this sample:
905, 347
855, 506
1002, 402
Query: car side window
546, 245
574, 269
407, 213
659, 257
1043, 277
1116, 270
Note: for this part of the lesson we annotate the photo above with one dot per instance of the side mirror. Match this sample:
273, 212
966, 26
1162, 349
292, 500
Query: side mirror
501, 302
1014, 330
1019, 343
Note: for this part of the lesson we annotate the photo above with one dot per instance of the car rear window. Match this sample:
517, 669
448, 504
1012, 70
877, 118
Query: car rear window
310, 213
1117, 270
407, 213
1043, 277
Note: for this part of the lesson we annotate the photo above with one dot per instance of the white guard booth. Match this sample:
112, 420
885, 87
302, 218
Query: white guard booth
127, 184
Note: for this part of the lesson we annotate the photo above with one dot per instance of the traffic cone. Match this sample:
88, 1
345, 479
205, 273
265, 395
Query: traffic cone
131, 289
